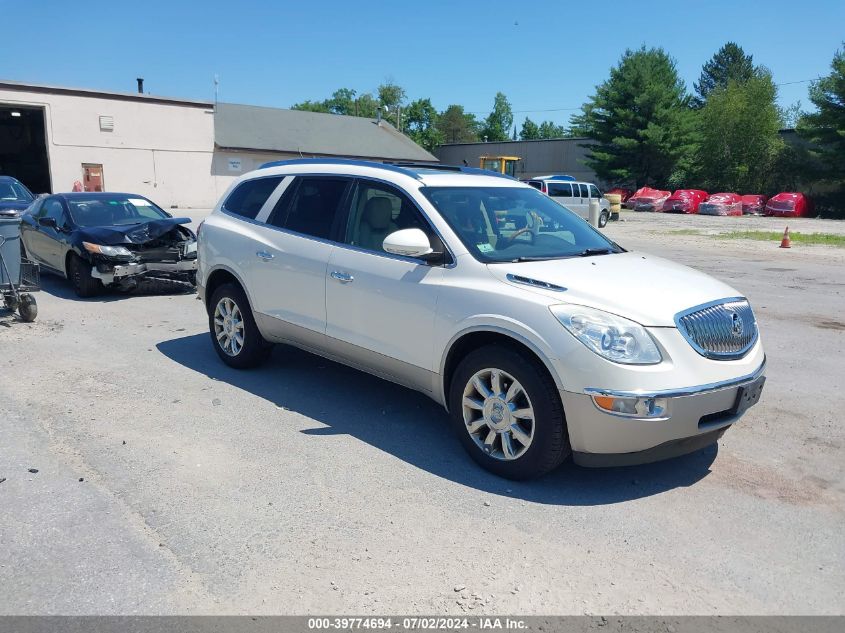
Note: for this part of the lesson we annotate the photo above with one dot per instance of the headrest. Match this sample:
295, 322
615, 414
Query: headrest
378, 212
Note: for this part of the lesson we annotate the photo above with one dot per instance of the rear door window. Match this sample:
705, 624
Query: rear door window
585, 193
560, 189
312, 208
249, 196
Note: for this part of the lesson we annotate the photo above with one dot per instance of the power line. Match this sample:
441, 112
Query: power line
800, 81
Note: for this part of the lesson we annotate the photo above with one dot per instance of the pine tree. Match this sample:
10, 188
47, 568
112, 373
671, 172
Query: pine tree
729, 62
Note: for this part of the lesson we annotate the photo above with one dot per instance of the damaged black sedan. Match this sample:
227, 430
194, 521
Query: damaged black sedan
108, 240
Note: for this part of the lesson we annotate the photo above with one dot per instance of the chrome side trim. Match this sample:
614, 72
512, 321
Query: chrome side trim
682, 392
536, 283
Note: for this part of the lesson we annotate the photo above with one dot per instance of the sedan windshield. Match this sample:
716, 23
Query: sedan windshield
511, 224
14, 192
113, 210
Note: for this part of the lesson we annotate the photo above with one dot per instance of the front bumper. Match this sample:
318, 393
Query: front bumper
123, 272
693, 418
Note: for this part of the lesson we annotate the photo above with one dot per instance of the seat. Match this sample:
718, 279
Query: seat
376, 223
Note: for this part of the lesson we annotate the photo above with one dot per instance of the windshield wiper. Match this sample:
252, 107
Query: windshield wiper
587, 252
531, 259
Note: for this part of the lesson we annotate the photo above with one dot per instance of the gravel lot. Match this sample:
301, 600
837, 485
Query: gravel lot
168, 483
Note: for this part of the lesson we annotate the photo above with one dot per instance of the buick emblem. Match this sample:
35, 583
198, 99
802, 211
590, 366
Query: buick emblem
736, 325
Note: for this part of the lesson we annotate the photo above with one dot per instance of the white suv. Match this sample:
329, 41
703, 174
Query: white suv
539, 335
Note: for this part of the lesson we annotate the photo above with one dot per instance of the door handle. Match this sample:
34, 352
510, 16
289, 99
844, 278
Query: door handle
343, 278
264, 255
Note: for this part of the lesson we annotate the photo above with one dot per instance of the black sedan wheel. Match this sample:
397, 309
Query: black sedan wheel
79, 274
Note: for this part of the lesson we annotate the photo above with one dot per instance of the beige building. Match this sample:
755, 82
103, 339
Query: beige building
177, 152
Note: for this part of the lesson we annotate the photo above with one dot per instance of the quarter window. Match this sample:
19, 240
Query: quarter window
313, 207
248, 197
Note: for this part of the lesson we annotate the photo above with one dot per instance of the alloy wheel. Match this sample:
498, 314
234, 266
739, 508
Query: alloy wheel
498, 414
229, 326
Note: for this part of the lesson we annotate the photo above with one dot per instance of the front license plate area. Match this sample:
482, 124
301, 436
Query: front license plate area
748, 395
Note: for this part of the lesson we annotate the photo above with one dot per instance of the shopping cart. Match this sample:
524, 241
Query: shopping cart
18, 276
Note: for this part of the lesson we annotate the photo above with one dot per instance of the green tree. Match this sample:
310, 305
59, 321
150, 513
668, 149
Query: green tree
641, 122
498, 123
740, 144
392, 96
421, 124
729, 63
530, 130
456, 126
311, 106
825, 128
550, 130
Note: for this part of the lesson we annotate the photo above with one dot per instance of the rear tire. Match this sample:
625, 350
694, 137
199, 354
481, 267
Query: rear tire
79, 274
523, 403
233, 331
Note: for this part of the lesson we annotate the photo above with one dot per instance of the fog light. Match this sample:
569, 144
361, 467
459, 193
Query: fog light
633, 407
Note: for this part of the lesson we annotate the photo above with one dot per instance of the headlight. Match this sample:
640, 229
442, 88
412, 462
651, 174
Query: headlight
608, 335
108, 251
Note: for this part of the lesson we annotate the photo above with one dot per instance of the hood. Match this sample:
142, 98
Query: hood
130, 233
13, 207
647, 289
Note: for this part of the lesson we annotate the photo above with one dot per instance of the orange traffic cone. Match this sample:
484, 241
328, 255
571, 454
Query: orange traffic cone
786, 242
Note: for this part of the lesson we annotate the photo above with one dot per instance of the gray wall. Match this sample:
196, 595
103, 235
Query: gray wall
557, 156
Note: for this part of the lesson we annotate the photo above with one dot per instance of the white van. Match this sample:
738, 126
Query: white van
573, 194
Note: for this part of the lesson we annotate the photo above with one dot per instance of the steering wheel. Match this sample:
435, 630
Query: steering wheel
526, 229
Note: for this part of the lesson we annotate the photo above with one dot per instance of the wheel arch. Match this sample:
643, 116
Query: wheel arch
219, 276
468, 340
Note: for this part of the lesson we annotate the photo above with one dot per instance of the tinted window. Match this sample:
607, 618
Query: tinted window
54, 208
536, 184
248, 197
377, 211
585, 193
594, 191
560, 189
313, 207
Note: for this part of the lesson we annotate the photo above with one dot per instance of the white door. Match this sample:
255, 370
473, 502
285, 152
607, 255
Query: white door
288, 273
382, 306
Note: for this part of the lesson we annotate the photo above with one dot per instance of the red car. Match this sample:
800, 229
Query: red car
648, 199
753, 204
722, 204
789, 204
684, 201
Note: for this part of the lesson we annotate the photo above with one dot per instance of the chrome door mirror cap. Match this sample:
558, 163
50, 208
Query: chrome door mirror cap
408, 242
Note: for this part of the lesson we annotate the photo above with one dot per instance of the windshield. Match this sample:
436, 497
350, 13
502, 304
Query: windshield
14, 192
506, 224
113, 210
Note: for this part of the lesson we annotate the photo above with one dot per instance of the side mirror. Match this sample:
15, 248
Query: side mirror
48, 222
408, 242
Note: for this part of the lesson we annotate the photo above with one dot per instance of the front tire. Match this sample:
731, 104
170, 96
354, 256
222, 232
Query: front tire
604, 216
233, 331
79, 274
507, 413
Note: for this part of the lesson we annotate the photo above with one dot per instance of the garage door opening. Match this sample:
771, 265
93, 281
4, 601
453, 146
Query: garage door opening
23, 147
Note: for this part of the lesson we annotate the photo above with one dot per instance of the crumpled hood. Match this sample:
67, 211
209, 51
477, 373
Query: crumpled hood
130, 233
647, 289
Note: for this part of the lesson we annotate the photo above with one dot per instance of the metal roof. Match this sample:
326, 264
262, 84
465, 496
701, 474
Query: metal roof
245, 127
100, 94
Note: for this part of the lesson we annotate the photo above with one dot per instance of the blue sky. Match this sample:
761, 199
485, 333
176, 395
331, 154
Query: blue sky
542, 55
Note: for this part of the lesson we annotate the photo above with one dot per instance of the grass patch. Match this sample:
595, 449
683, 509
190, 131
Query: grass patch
685, 232
827, 239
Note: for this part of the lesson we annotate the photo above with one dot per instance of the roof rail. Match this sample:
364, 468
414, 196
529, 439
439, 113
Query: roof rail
341, 161
555, 177
463, 169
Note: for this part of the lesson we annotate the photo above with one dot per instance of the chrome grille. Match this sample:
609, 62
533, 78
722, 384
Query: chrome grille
723, 330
